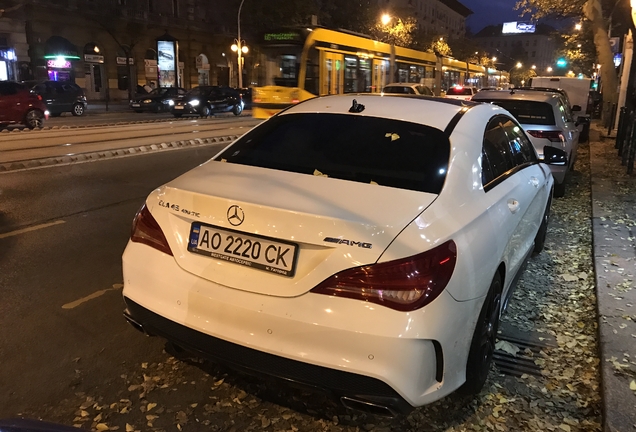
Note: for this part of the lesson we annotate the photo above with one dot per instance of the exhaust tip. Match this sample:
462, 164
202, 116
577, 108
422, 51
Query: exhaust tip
368, 407
137, 326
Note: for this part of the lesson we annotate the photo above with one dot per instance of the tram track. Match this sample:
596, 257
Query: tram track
59, 142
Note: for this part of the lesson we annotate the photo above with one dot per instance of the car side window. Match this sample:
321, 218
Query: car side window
565, 112
496, 149
7, 88
520, 146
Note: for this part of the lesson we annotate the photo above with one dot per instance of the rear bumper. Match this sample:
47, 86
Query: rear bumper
349, 347
340, 383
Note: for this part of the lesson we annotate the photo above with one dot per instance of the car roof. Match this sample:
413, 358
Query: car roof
403, 84
537, 96
440, 112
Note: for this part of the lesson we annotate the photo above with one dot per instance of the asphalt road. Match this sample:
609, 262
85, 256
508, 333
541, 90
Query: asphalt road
62, 233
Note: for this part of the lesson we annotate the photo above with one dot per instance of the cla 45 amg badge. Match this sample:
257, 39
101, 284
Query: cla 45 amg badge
347, 242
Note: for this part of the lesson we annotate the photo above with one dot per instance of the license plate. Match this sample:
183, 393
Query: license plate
254, 251
178, 107
135, 104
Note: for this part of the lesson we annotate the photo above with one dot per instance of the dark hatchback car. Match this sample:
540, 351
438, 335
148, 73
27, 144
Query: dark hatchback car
18, 105
61, 97
206, 100
157, 100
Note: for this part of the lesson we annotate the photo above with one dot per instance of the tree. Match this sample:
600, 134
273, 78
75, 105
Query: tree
592, 11
401, 33
579, 51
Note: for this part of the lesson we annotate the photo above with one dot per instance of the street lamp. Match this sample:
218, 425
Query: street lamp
549, 69
385, 19
239, 48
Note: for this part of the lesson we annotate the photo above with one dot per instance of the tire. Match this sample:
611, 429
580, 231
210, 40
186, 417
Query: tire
559, 189
482, 346
237, 110
34, 119
78, 110
539, 240
205, 111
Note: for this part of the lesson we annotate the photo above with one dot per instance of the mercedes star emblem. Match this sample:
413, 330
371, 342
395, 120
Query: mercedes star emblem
235, 215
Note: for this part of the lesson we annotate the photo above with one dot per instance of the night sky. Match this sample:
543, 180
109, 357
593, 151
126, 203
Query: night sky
486, 12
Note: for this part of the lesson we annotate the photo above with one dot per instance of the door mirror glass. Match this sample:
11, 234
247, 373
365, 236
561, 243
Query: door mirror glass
554, 156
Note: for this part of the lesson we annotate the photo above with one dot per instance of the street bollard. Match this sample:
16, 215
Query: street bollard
630, 136
612, 119
620, 133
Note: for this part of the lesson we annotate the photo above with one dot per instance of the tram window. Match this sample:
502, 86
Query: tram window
312, 72
365, 76
351, 75
288, 72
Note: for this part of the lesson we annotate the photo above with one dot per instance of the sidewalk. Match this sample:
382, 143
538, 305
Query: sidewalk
614, 237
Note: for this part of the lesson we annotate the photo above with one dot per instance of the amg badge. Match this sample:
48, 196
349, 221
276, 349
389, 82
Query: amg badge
347, 242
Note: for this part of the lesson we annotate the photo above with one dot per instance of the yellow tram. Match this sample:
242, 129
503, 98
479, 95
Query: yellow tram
298, 64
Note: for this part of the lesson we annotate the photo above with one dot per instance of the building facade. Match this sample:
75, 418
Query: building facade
109, 46
531, 49
438, 17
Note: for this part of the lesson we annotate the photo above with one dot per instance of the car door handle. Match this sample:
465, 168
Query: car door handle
534, 182
513, 205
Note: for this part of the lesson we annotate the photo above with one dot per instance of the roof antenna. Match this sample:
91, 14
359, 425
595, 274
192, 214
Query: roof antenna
356, 107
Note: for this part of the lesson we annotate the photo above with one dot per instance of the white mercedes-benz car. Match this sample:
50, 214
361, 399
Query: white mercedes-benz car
363, 244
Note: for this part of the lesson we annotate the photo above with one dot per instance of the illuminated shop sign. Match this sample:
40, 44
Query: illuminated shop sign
59, 63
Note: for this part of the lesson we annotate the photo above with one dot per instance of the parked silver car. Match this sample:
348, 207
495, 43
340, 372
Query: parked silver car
546, 118
407, 88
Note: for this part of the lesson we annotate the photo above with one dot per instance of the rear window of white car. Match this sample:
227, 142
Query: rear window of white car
363, 149
399, 89
459, 91
527, 112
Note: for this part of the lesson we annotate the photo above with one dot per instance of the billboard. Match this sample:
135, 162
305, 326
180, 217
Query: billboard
518, 27
167, 63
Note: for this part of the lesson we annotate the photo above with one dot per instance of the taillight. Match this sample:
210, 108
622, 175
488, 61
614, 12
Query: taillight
146, 230
39, 97
405, 284
553, 136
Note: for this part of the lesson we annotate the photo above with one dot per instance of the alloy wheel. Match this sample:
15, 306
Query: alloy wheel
34, 119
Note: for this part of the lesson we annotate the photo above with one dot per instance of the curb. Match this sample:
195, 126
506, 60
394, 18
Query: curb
106, 154
613, 220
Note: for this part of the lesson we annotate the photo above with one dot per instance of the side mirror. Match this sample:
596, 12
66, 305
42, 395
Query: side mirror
582, 120
554, 156
576, 108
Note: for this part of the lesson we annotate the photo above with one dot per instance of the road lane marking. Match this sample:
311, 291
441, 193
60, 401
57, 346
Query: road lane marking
95, 295
29, 229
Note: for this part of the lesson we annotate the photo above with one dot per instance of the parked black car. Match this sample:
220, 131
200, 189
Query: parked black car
157, 100
61, 97
206, 100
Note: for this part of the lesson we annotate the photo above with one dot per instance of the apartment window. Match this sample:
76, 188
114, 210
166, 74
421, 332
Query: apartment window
527, 43
534, 42
534, 53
